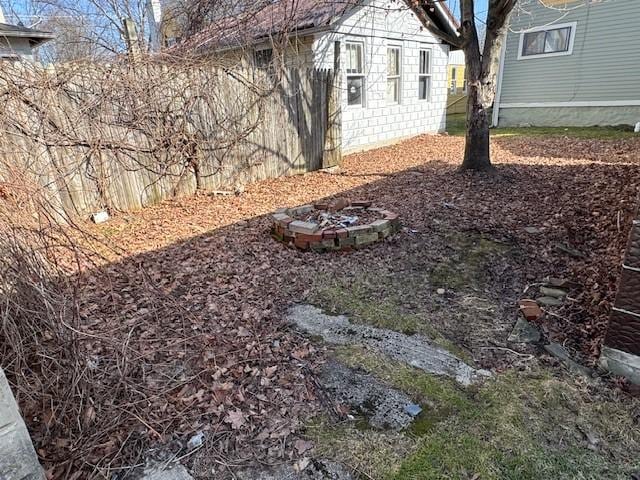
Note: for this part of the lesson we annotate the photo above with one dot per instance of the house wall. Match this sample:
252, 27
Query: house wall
597, 84
16, 47
379, 24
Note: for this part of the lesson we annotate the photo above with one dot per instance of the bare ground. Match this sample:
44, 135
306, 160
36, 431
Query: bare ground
202, 289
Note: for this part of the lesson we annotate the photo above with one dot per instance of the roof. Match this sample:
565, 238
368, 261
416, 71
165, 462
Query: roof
269, 17
16, 31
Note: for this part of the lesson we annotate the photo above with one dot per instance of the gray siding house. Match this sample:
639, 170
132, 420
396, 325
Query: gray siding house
19, 43
571, 63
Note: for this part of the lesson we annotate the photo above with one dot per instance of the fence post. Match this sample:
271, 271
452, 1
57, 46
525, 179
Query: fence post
333, 141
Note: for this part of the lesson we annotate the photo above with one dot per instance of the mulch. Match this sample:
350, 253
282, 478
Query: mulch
199, 297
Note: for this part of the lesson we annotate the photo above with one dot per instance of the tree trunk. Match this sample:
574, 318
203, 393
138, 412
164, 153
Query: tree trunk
476, 149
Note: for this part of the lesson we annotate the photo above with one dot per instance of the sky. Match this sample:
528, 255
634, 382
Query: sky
481, 7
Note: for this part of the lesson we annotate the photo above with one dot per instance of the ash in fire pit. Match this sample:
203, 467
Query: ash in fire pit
340, 225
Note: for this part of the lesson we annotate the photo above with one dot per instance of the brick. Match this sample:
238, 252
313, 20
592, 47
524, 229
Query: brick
365, 238
279, 217
361, 203
346, 242
624, 332
301, 244
311, 238
358, 230
321, 206
303, 227
380, 225
391, 215
342, 233
633, 249
385, 233
628, 297
282, 210
352, 209
329, 234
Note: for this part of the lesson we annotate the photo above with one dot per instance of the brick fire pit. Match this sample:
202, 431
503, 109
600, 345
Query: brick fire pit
336, 226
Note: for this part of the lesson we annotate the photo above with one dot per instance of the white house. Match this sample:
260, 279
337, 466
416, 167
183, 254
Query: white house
394, 69
18, 42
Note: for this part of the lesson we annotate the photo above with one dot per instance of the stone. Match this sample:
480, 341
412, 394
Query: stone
380, 225
365, 239
279, 217
621, 363
384, 407
524, 332
303, 227
532, 230
549, 301
361, 203
553, 292
358, 229
560, 283
441, 291
18, 459
414, 409
415, 350
174, 472
562, 354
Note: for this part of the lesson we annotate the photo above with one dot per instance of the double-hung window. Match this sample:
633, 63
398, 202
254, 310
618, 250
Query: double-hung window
424, 75
264, 58
394, 74
355, 73
549, 41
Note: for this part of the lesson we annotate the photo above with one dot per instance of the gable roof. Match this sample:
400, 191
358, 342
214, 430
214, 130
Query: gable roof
37, 37
270, 17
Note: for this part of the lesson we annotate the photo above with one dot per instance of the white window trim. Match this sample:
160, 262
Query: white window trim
430, 74
553, 26
399, 76
363, 44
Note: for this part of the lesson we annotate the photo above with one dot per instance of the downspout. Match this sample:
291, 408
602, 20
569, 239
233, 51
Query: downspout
496, 102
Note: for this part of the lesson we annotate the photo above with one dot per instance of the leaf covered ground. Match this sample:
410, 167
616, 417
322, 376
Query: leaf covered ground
198, 295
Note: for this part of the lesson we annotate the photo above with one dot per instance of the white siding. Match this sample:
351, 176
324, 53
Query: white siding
378, 24
16, 47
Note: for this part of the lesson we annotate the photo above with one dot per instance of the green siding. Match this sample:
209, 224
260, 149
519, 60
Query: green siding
604, 65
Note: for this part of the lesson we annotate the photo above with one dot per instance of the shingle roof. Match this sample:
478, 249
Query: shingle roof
13, 31
270, 17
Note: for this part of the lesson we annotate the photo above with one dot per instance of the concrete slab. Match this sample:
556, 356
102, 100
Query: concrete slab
621, 363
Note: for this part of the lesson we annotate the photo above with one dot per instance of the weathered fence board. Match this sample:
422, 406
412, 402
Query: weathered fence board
122, 137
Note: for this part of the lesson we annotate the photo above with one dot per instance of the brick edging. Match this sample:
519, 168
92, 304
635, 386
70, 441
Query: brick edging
310, 236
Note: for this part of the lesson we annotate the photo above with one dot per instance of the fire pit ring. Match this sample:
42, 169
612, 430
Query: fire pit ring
336, 226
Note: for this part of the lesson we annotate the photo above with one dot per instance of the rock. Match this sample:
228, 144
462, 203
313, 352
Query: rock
195, 441
553, 292
532, 230
174, 472
415, 350
530, 309
524, 332
242, 223
562, 354
549, 301
560, 283
441, 291
385, 408
18, 459
304, 469
572, 252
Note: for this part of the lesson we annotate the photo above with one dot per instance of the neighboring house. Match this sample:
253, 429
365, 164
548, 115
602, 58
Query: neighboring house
394, 70
18, 42
575, 64
457, 82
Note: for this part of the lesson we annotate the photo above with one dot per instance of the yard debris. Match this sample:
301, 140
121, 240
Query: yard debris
100, 217
530, 309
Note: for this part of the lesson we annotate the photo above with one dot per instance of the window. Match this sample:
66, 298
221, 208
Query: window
355, 73
394, 72
424, 75
547, 41
264, 58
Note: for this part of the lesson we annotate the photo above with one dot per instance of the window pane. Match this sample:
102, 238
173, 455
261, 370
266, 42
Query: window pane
533, 43
393, 61
354, 58
393, 90
354, 91
264, 58
557, 40
425, 62
423, 88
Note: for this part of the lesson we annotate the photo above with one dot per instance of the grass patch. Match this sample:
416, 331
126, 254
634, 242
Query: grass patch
525, 426
358, 300
465, 266
456, 126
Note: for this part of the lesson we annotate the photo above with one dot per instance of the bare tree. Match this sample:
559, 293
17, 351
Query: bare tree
482, 65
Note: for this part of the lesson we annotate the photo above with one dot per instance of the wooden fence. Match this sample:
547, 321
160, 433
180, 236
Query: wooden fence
121, 137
